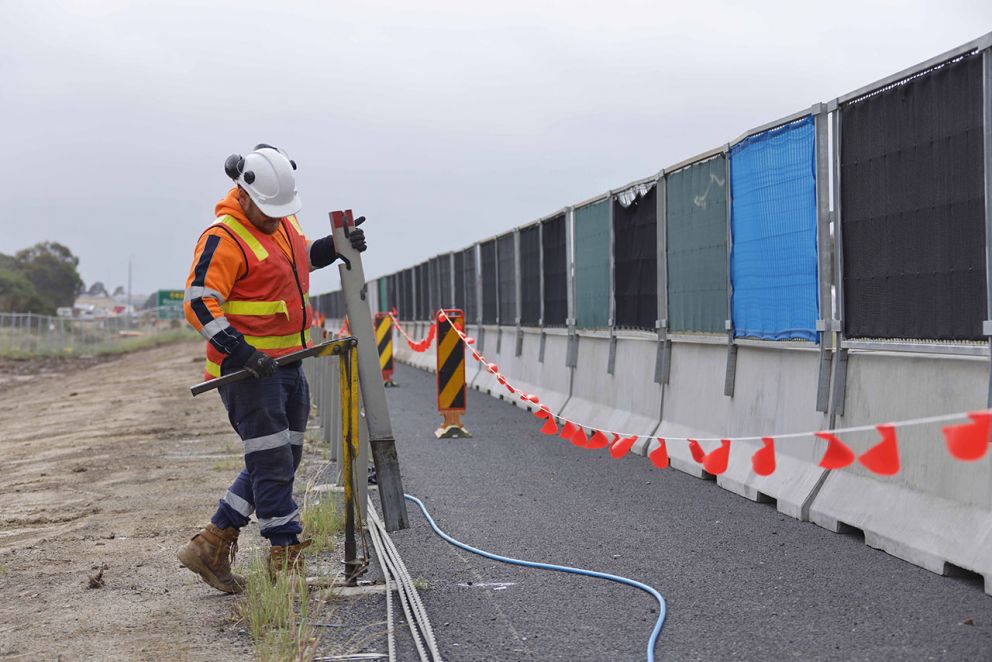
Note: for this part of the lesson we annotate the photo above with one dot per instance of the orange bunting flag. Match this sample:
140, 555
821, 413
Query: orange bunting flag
598, 440
478, 357
509, 388
763, 459
659, 456
697, 451
501, 379
883, 457
838, 455
969, 441
469, 341
579, 439
568, 431
716, 460
542, 412
550, 427
621, 447
493, 368
533, 398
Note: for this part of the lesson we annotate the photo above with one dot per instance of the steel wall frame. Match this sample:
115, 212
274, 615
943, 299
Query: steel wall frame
836, 107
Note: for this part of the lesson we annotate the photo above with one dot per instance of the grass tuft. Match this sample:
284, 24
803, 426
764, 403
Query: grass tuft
276, 615
322, 521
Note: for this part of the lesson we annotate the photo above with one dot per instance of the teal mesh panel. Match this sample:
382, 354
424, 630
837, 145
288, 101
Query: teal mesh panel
696, 204
592, 265
383, 295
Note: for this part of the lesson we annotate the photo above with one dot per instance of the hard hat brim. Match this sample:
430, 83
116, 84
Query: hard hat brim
279, 211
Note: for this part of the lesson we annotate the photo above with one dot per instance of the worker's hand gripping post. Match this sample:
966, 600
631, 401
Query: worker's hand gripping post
369, 374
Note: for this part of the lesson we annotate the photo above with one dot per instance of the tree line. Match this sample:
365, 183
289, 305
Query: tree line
39, 279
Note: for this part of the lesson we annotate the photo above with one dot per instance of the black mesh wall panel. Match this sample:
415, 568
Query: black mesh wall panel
434, 295
468, 277
912, 206
444, 281
458, 299
406, 298
530, 275
490, 302
506, 257
423, 292
635, 241
393, 285
555, 266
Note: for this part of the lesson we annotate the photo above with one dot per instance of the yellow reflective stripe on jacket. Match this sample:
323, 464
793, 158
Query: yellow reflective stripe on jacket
255, 308
212, 369
296, 224
246, 236
277, 342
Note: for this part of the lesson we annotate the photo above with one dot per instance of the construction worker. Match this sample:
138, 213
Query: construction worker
247, 295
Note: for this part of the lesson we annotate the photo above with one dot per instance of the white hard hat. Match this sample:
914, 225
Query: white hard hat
266, 174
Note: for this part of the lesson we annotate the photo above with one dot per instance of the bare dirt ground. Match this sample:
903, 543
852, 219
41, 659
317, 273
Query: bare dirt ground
113, 465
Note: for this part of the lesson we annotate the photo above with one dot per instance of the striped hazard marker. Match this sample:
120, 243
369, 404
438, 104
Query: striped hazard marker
450, 374
384, 341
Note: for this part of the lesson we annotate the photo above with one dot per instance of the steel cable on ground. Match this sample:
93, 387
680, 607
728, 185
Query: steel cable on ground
662, 607
413, 607
404, 575
390, 625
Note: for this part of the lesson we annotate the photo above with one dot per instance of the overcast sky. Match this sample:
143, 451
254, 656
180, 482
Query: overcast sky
442, 122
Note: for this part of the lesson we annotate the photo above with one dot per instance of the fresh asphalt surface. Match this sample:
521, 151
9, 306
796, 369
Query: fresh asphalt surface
741, 580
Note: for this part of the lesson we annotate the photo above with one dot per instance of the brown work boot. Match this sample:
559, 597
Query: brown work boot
288, 560
210, 554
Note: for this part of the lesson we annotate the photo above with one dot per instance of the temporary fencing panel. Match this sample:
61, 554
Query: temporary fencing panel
459, 295
422, 292
530, 275
635, 245
912, 208
507, 279
773, 217
592, 265
434, 294
383, 294
444, 281
406, 299
490, 287
696, 217
468, 278
555, 266
393, 288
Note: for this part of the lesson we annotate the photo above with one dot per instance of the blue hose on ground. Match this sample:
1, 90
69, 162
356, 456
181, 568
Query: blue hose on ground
559, 568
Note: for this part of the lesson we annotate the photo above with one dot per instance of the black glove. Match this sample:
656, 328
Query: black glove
261, 365
245, 356
357, 237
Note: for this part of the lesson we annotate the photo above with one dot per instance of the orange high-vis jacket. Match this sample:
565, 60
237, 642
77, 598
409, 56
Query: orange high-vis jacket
247, 286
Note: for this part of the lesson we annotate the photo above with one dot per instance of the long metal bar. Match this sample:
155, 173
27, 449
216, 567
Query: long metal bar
370, 377
698, 158
981, 43
987, 147
824, 271
329, 348
774, 124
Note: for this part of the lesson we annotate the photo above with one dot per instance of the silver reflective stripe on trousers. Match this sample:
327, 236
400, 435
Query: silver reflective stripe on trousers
295, 438
239, 504
276, 440
213, 328
272, 522
198, 292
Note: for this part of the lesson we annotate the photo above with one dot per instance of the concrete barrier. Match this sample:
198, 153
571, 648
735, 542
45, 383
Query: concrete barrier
628, 400
498, 344
937, 511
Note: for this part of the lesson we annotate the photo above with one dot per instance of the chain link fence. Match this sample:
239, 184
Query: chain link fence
24, 335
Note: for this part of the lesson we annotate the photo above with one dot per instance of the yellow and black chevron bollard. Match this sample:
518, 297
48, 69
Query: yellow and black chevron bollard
450, 375
384, 339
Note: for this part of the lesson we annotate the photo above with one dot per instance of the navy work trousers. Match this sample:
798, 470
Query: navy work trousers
270, 415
